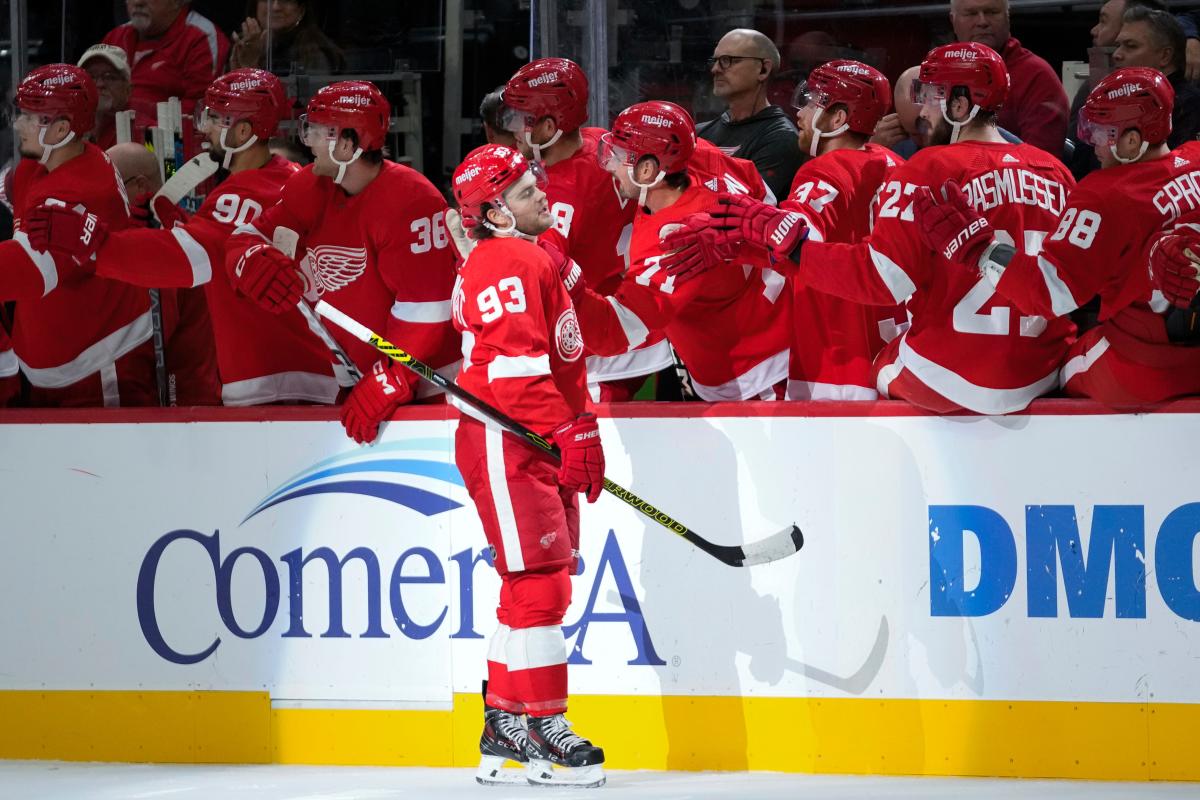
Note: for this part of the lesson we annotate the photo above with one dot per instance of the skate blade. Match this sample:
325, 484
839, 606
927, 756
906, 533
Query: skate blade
492, 772
544, 773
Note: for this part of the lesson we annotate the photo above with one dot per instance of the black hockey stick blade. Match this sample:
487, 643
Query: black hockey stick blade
780, 545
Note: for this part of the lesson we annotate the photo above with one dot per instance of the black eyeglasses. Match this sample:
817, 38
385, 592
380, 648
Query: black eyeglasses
727, 61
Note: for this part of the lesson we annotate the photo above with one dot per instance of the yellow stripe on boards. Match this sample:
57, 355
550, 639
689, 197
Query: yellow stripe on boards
1099, 741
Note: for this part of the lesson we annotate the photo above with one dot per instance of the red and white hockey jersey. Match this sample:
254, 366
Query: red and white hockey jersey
965, 342
720, 172
382, 256
81, 340
593, 224
261, 357
729, 325
1099, 248
521, 346
834, 340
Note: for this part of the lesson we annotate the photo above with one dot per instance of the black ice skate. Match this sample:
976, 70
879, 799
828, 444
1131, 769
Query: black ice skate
560, 757
504, 739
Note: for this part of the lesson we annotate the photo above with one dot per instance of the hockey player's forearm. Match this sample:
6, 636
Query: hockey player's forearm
1019, 278
25, 274
157, 259
608, 327
850, 271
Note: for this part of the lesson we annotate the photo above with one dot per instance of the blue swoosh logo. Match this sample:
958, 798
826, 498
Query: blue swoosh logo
378, 459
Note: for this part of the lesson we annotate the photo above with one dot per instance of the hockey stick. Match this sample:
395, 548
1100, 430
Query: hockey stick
185, 180
286, 240
778, 545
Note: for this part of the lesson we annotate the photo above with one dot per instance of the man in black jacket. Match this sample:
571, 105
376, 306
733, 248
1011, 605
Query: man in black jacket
752, 128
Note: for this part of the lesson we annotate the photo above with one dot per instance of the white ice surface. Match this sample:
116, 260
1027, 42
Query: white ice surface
20, 780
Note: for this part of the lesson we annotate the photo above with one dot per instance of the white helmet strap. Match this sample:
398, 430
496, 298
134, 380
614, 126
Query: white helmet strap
48, 149
230, 152
342, 165
645, 187
956, 127
538, 148
818, 134
1112, 148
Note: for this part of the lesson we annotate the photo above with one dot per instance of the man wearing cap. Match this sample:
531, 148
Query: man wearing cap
109, 68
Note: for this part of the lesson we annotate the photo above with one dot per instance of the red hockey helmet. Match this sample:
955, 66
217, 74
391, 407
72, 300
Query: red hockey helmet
483, 177
58, 91
975, 66
1133, 97
863, 89
658, 129
249, 94
549, 87
355, 105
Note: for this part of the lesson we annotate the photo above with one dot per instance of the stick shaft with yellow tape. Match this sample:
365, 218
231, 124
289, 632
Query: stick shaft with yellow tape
779, 545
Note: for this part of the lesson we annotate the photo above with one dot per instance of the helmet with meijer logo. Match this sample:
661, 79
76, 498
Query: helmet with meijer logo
656, 129
974, 67
248, 94
1131, 98
58, 91
483, 177
346, 105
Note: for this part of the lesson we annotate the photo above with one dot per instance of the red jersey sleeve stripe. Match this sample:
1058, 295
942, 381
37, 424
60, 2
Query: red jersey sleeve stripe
631, 324
518, 366
1061, 299
43, 261
893, 276
197, 256
427, 312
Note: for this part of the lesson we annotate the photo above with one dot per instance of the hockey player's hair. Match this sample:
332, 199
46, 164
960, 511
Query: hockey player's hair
984, 117
370, 156
1164, 29
491, 106
677, 180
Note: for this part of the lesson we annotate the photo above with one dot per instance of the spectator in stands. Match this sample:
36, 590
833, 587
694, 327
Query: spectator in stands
109, 69
174, 51
1104, 36
1150, 38
489, 110
1190, 22
1036, 109
751, 128
296, 39
901, 130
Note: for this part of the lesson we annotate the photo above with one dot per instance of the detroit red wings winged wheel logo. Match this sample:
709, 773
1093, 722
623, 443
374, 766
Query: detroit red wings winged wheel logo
333, 267
567, 336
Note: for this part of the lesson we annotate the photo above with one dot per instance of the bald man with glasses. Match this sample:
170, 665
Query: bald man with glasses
751, 128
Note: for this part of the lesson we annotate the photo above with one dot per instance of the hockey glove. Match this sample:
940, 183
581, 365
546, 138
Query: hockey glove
951, 226
269, 278
372, 400
582, 467
695, 247
463, 243
72, 232
568, 271
1175, 265
146, 206
739, 218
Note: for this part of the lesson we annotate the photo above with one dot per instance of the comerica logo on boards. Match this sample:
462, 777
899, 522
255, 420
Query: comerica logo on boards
1054, 546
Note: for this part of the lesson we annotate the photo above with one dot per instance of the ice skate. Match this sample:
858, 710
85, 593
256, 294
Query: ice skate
560, 757
504, 739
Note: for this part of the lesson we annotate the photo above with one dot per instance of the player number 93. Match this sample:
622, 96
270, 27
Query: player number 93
431, 233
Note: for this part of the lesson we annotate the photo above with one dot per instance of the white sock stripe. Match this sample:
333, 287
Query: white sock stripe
498, 644
531, 648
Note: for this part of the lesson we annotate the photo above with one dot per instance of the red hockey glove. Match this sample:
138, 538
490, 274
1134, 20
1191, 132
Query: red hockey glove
1175, 265
269, 278
145, 207
582, 467
568, 271
695, 247
739, 218
72, 232
951, 226
372, 400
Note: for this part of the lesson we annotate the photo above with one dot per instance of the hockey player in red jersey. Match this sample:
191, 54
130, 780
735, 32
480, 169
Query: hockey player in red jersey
833, 340
522, 354
966, 348
372, 242
545, 107
262, 357
729, 327
80, 340
1098, 247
